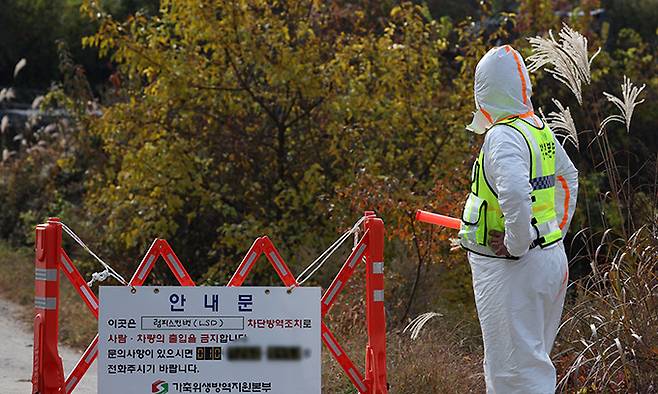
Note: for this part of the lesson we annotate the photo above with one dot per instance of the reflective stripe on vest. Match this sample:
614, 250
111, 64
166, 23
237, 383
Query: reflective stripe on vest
482, 212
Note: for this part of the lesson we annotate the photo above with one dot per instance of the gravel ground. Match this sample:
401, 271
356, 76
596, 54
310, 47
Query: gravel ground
16, 356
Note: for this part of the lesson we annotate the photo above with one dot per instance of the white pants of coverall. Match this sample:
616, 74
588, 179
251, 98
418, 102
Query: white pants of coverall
519, 304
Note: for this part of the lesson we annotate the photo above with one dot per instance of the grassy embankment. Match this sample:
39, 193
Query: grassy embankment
436, 362
77, 325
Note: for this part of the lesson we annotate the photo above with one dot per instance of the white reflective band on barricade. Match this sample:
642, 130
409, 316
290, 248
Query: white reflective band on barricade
146, 267
279, 266
357, 256
377, 268
333, 292
89, 297
45, 302
354, 375
46, 274
177, 267
332, 344
378, 295
66, 264
71, 383
246, 267
92, 353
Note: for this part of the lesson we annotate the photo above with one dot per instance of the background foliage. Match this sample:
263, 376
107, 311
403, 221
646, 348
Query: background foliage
213, 123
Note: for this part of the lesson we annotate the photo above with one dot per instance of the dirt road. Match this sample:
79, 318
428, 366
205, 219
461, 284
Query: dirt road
16, 356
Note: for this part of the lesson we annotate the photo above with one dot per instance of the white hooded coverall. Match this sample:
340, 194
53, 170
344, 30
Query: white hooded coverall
519, 302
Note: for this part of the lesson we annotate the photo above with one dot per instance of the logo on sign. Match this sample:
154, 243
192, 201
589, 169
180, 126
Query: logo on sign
160, 387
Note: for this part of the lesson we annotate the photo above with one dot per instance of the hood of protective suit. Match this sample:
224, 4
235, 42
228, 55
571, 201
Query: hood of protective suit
502, 88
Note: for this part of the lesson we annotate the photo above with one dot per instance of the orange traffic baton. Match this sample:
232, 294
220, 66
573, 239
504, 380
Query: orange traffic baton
439, 220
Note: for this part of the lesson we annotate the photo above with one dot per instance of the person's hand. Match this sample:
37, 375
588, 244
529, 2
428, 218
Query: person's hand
498, 243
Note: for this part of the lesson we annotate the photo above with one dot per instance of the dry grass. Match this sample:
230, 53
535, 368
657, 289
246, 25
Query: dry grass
434, 363
77, 325
17, 276
609, 338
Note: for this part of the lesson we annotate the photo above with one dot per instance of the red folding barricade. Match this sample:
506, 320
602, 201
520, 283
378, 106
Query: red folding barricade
48, 373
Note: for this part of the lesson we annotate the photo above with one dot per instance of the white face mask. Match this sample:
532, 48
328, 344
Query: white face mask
480, 123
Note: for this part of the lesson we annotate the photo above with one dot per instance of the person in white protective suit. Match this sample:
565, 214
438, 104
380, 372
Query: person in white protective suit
522, 199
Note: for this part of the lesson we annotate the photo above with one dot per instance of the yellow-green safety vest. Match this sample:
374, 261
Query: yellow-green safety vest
482, 212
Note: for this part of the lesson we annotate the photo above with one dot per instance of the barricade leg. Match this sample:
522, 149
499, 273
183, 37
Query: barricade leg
262, 246
375, 314
82, 366
79, 284
343, 360
247, 263
48, 372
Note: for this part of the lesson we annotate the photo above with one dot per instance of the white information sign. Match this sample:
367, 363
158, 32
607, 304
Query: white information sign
161, 340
